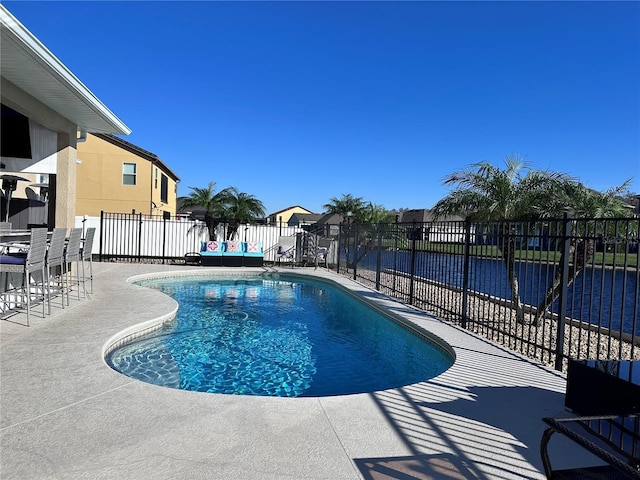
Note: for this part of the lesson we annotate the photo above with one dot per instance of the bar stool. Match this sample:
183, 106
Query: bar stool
55, 260
85, 255
27, 263
71, 255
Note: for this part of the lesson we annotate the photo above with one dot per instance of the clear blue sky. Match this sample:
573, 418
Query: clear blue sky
298, 102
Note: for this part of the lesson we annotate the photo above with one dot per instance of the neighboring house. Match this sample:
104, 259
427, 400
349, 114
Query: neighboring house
44, 106
191, 211
303, 219
117, 176
328, 225
282, 217
449, 229
415, 215
425, 215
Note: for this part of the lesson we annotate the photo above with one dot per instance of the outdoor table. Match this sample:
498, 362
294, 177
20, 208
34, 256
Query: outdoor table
15, 236
614, 439
603, 387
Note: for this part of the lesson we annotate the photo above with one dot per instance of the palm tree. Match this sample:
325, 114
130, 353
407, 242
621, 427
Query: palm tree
374, 214
584, 203
484, 192
211, 202
239, 208
354, 211
349, 207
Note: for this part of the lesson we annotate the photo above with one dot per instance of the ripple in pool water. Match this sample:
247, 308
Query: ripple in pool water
275, 337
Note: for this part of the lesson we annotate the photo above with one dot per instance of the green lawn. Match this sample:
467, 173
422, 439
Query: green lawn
492, 251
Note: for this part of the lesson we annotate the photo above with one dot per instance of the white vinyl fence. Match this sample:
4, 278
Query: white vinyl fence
143, 236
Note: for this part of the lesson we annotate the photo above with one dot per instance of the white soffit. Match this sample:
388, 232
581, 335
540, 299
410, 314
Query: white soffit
29, 65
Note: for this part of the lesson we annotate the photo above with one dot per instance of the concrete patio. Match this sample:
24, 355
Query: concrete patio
64, 414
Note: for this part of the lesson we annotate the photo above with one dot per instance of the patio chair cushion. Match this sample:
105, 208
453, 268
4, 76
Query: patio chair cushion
254, 247
253, 250
13, 259
213, 246
233, 247
253, 254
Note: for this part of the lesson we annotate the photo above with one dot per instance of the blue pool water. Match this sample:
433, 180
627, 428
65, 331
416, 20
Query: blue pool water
276, 337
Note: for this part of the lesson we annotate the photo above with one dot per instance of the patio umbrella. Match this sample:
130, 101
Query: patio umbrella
9, 183
44, 190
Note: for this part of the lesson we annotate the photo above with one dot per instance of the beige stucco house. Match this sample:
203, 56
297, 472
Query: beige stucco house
46, 112
115, 175
282, 217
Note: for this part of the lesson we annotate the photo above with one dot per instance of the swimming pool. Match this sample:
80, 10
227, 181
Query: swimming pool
277, 335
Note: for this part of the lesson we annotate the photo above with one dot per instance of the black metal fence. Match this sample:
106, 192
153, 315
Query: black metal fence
512, 282
515, 283
139, 237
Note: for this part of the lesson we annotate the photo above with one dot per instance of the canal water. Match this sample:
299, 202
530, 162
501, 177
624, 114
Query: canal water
602, 296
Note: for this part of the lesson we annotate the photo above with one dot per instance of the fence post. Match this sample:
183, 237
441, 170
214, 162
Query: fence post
164, 239
379, 256
465, 272
562, 300
395, 254
139, 236
355, 252
340, 237
412, 264
101, 233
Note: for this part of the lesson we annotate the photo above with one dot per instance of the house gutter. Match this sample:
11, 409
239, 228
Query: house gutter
24, 40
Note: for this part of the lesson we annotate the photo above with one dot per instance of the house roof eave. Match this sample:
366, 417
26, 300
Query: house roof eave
141, 152
29, 65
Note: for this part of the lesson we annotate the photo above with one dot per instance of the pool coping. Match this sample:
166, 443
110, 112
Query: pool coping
130, 334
